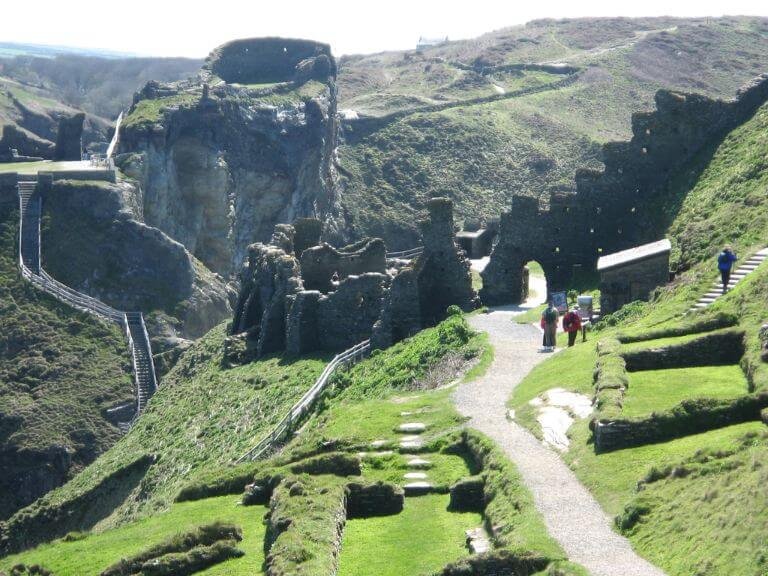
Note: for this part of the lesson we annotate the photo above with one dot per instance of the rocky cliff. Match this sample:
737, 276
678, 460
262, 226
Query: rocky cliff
246, 144
126, 263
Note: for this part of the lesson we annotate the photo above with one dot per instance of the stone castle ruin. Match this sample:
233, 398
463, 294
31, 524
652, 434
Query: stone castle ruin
615, 208
301, 299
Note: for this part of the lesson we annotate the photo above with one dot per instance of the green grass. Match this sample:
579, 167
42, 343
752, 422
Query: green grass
59, 370
445, 470
90, 555
420, 540
659, 342
202, 417
45, 165
364, 421
570, 369
712, 507
148, 112
613, 476
658, 390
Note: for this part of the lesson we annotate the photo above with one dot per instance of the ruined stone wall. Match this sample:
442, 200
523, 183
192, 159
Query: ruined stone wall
265, 60
291, 306
319, 263
615, 208
442, 270
267, 281
346, 316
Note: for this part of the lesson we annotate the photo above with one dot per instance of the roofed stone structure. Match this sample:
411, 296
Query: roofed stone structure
632, 274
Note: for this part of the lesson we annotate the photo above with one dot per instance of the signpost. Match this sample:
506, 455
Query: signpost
560, 301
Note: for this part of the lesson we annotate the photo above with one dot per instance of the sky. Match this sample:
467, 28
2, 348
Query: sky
186, 28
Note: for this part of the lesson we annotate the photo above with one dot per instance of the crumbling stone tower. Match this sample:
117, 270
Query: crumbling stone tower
442, 271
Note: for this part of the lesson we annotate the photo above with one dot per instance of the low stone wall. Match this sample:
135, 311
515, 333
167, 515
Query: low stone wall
295, 542
714, 349
468, 494
714, 322
612, 431
377, 499
689, 417
497, 563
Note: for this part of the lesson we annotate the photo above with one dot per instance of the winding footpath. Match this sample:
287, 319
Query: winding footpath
572, 516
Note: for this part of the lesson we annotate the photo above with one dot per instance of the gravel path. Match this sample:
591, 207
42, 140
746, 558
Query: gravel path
571, 514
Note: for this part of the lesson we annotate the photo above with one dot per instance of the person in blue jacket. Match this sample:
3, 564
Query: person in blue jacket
725, 261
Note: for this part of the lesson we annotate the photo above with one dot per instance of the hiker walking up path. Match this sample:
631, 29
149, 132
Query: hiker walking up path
572, 516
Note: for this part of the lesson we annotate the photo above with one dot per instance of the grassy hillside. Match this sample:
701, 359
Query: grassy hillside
481, 153
366, 403
98, 85
203, 415
690, 504
59, 371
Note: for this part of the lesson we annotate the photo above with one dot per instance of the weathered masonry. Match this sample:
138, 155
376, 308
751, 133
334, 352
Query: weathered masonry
632, 274
323, 298
615, 208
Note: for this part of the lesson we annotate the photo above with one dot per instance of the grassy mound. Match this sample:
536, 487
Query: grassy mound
90, 554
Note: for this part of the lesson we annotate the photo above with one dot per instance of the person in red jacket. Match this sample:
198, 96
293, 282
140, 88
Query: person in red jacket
572, 325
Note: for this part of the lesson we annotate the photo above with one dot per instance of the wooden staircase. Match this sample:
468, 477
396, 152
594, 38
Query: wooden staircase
30, 214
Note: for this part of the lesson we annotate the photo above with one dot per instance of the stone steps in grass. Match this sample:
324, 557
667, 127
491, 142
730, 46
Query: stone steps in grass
742, 271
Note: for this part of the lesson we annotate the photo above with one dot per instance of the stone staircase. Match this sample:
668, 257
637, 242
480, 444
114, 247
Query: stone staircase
145, 379
742, 271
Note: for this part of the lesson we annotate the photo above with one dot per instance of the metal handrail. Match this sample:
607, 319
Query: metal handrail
300, 408
405, 254
83, 302
115, 137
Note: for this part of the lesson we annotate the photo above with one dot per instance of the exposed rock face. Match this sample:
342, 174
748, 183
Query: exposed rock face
69, 138
221, 166
264, 60
27, 143
124, 262
615, 208
29, 474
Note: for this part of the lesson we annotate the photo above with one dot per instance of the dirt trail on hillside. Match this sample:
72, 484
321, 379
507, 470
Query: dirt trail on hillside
572, 516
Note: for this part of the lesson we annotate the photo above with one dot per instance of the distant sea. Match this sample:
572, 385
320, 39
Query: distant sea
10, 49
